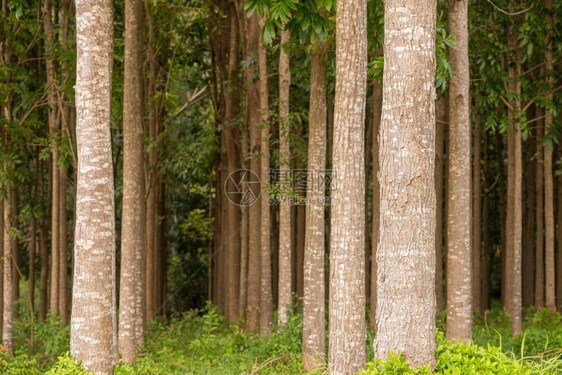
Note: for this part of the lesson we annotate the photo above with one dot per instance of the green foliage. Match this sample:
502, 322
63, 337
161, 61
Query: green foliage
66, 366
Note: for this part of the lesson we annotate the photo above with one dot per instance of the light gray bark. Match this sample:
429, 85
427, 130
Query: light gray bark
406, 251
93, 323
347, 234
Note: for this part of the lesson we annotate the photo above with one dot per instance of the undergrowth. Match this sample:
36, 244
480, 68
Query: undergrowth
199, 342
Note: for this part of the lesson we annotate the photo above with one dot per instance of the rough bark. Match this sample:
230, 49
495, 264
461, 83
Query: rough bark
131, 292
314, 299
441, 118
406, 252
285, 159
347, 238
459, 275
93, 323
266, 298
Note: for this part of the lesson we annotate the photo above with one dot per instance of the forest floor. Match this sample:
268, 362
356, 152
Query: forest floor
199, 342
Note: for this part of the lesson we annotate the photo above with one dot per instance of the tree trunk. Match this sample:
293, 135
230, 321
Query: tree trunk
43, 251
233, 211
16, 267
347, 238
266, 299
442, 117
549, 183
63, 243
539, 189
476, 216
8, 297
93, 336
254, 224
406, 252
314, 299
529, 232
1, 262
285, 160
459, 310
131, 292
559, 224
377, 108
486, 250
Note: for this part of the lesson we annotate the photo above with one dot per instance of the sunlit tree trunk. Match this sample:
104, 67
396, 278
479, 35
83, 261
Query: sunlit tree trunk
314, 299
285, 250
93, 338
131, 293
347, 238
406, 252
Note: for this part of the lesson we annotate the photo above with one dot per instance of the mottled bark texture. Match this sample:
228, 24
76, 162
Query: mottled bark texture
406, 251
266, 299
539, 191
285, 160
131, 292
314, 299
347, 238
93, 323
377, 109
459, 310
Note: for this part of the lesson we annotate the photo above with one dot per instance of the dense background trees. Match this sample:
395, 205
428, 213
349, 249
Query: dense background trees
279, 156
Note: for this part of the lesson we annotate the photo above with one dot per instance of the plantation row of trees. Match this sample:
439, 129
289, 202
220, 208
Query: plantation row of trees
127, 128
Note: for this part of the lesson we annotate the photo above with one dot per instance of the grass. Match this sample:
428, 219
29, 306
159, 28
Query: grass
199, 342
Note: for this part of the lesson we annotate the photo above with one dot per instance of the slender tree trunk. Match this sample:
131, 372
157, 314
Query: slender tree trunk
377, 108
266, 299
539, 189
486, 251
476, 216
549, 183
459, 310
93, 338
559, 225
131, 293
254, 222
232, 151
2, 262
406, 253
298, 221
314, 322
63, 243
8, 297
442, 117
44, 252
285, 160
529, 234
347, 238
16, 267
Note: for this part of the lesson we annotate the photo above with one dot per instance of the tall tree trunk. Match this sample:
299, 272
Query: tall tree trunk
266, 299
233, 211
406, 253
93, 338
254, 222
441, 118
16, 267
314, 299
539, 190
53, 128
285, 160
8, 297
459, 310
529, 232
559, 244
131, 292
377, 108
347, 237
476, 215
549, 182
